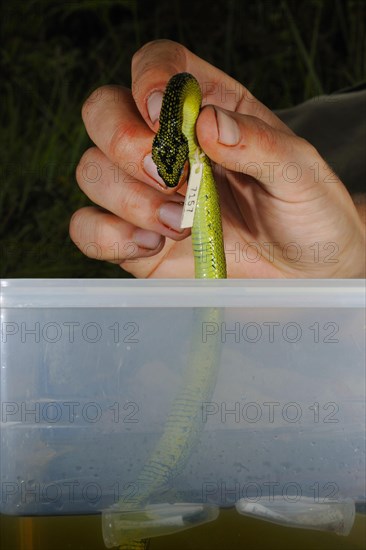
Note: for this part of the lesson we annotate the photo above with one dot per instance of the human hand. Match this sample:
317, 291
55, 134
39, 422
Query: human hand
285, 214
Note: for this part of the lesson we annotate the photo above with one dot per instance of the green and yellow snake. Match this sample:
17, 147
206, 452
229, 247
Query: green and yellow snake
126, 524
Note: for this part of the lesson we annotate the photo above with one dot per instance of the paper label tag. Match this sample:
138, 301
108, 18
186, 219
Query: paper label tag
190, 201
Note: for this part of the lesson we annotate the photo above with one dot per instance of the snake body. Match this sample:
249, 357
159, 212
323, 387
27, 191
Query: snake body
174, 143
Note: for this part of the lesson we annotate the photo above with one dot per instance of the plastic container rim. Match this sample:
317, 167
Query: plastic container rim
162, 293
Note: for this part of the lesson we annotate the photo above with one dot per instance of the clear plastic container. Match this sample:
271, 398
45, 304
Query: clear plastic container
90, 370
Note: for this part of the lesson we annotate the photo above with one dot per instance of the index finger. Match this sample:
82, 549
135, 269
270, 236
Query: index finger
156, 62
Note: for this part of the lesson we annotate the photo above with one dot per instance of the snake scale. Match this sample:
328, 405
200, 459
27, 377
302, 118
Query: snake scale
174, 143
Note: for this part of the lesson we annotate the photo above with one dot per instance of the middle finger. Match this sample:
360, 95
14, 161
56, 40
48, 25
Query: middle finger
129, 198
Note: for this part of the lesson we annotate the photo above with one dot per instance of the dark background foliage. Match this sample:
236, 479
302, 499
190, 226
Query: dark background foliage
53, 54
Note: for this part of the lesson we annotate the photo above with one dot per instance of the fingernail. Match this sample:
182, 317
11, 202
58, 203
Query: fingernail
147, 239
154, 105
229, 133
170, 214
152, 171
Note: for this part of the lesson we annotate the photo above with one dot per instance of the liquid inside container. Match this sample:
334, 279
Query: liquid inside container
90, 370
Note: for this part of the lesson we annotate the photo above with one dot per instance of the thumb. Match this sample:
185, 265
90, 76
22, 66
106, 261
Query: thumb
287, 166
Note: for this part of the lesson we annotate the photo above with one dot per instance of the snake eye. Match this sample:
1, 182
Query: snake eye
170, 154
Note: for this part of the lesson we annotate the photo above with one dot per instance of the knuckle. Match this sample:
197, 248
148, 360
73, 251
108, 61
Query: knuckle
149, 46
132, 198
102, 235
89, 156
74, 225
305, 146
77, 224
91, 100
90, 233
267, 137
122, 139
103, 93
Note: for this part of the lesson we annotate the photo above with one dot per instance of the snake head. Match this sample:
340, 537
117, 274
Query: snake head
170, 153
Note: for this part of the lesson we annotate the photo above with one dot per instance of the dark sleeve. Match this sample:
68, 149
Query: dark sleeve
336, 125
